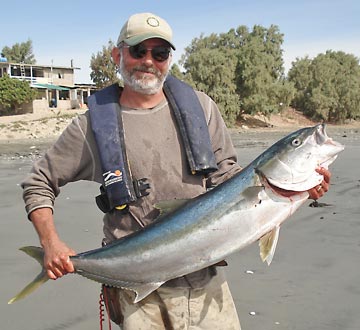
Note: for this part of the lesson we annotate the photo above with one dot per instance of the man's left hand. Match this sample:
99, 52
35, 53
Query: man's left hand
319, 190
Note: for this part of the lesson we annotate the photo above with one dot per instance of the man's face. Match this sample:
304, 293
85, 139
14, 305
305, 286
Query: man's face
144, 67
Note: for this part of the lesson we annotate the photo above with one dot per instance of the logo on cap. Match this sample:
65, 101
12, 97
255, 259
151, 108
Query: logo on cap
152, 21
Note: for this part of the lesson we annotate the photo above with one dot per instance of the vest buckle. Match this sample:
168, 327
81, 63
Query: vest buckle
141, 187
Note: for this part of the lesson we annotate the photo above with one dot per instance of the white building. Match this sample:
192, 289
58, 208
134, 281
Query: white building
55, 85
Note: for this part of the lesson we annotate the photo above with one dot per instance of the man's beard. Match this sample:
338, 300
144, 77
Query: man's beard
145, 84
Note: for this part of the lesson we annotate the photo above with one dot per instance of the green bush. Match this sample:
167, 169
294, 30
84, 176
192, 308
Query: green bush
14, 92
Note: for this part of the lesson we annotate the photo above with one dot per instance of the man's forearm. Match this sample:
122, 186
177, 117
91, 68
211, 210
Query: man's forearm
43, 222
56, 260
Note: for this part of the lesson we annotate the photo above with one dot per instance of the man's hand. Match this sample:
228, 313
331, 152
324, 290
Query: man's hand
57, 259
318, 191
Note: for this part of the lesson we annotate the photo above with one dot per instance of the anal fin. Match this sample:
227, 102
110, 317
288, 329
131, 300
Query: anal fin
144, 290
268, 245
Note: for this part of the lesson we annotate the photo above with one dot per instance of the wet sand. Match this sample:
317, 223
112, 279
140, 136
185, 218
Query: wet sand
312, 283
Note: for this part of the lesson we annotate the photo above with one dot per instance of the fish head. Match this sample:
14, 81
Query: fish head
291, 163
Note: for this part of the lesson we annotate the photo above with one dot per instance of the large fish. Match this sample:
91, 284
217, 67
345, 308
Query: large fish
244, 209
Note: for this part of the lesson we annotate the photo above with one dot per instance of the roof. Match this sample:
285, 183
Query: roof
40, 66
50, 86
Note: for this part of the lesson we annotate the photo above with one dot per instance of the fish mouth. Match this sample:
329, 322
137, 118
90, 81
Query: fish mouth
277, 190
322, 138
333, 147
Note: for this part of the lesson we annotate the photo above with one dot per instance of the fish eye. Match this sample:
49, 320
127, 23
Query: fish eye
296, 142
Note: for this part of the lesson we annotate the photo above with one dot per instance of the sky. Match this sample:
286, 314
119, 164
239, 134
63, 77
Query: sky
67, 30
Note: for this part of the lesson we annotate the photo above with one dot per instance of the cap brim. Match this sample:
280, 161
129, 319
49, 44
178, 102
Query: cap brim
132, 41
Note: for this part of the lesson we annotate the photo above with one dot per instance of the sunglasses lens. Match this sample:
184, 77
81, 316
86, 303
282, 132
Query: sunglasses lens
159, 53
137, 51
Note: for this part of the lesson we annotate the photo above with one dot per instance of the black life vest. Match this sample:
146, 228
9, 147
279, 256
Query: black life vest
119, 188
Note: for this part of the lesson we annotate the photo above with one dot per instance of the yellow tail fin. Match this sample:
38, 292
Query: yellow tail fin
38, 254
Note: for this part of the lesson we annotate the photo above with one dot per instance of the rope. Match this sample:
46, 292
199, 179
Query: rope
102, 307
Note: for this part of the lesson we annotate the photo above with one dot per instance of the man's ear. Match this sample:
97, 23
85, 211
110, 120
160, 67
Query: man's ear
115, 54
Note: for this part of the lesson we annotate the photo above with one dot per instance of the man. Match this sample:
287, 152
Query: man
153, 149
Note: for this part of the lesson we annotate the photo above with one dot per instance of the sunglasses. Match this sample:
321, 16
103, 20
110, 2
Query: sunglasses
158, 53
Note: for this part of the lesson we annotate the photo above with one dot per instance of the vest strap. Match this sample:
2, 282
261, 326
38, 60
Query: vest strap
108, 130
192, 123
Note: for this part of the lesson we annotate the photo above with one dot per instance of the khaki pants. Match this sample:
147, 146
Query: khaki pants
208, 308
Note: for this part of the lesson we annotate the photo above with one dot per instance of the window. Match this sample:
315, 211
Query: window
58, 74
15, 70
64, 95
38, 72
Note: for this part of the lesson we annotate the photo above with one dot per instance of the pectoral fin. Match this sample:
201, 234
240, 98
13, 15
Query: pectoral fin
268, 245
168, 206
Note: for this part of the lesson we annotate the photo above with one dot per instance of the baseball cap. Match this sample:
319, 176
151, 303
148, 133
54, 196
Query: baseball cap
143, 26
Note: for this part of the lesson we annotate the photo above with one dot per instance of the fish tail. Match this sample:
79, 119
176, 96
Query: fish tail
38, 254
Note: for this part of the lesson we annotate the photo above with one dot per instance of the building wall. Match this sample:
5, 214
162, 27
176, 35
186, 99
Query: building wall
40, 106
62, 77
20, 109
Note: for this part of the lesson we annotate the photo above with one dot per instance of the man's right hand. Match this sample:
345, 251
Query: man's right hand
57, 259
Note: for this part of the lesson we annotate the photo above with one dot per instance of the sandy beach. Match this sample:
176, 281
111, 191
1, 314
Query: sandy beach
312, 283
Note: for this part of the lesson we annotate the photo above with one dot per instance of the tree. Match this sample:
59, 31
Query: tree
210, 67
176, 72
327, 86
241, 70
212, 71
14, 92
20, 53
104, 70
261, 84
300, 75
